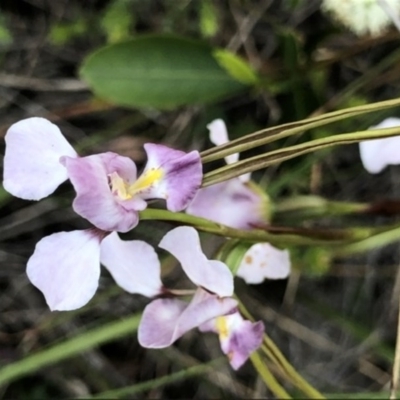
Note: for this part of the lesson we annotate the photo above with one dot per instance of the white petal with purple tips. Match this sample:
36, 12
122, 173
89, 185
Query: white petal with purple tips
65, 266
264, 261
184, 244
133, 264
172, 175
32, 169
239, 338
166, 320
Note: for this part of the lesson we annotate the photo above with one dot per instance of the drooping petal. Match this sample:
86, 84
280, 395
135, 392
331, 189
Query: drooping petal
238, 337
170, 174
65, 267
262, 261
379, 153
232, 203
184, 244
219, 136
94, 199
32, 169
166, 320
133, 264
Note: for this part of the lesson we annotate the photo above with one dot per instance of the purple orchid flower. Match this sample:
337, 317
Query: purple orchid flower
238, 202
238, 337
167, 319
108, 193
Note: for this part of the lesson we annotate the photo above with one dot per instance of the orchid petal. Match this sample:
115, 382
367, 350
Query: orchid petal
133, 264
219, 136
170, 174
184, 244
379, 153
32, 169
231, 203
239, 338
65, 267
262, 261
166, 320
94, 199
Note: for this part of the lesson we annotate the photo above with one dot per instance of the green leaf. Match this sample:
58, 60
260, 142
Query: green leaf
69, 348
159, 71
236, 67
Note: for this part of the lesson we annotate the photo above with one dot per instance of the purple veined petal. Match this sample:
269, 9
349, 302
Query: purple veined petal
219, 136
94, 199
170, 174
184, 244
379, 153
166, 320
264, 261
232, 203
32, 169
238, 337
159, 320
65, 267
133, 264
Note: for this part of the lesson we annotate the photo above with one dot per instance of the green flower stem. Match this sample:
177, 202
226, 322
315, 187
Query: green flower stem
266, 375
382, 237
277, 156
268, 135
69, 348
290, 236
155, 383
302, 207
275, 355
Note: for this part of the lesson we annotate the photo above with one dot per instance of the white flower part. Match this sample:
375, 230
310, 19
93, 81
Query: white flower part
219, 136
363, 16
379, 153
264, 261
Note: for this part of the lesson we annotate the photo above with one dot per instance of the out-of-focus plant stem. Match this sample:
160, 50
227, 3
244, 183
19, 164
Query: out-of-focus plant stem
266, 375
274, 354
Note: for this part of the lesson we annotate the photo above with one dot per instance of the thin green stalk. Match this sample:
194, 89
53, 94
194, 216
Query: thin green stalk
276, 356
382, 238
316, 205
155, 383
268, 135
69, 348
264, 160
331, 237
269, 380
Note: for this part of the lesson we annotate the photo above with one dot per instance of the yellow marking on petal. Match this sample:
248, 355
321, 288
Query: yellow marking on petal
146, 180
119, 186
222, 327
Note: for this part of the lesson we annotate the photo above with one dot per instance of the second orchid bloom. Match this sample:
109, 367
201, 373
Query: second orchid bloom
38, 159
